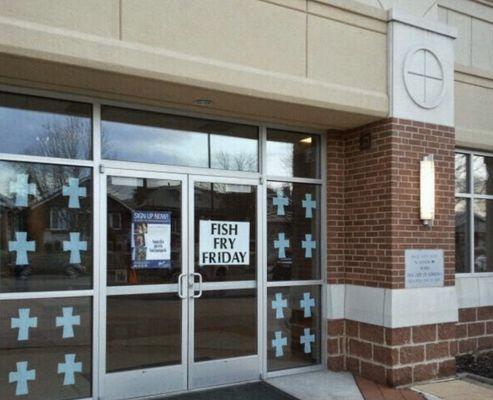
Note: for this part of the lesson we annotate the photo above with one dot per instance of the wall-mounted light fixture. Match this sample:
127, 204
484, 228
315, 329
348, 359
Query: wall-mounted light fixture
427, 190
203, 102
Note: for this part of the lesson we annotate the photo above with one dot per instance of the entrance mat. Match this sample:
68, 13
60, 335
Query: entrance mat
249, 391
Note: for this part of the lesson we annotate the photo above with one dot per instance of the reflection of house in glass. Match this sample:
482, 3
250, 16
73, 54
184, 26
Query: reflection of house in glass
124, 197
48, 222
295, 225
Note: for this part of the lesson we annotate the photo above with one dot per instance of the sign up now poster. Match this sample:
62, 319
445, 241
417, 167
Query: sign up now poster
224, 243
151, 239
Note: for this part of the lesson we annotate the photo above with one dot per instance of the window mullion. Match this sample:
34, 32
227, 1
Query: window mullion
471, 213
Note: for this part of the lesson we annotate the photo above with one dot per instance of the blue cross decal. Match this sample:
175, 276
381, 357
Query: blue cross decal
308, 204
75, 246
307, 303
307, 340
21, 378
74, 191
22, 189
308, 244
69, 368
68, 320
21, 245
281, 244
280, 202
278, 304
23, 323
278, 343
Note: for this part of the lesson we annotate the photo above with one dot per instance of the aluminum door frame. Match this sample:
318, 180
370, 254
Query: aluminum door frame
148, 381
230, 370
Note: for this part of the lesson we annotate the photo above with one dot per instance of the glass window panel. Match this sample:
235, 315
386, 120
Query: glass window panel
125, 198
234, 153
45, 227
143, 331
142, 136
45, 127
483, 174
48, 335
461, 173
293, 327
220, 332
293, 154
226, 202
462, 236
293, 231
483, 235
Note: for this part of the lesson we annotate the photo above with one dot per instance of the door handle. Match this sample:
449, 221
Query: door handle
180, 285
199, 294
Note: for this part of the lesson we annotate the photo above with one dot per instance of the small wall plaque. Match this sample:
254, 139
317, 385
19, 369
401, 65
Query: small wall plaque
424, 268
365, 141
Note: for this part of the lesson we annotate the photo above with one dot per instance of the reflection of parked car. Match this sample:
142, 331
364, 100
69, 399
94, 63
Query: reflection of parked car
214, 272
480, 261
280, 269
48, 264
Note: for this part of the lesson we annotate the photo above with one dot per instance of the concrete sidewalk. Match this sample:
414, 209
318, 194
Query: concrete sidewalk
323, 385
456, 389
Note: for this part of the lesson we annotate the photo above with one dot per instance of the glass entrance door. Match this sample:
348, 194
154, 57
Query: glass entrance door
179, 294
144, 311
223, 303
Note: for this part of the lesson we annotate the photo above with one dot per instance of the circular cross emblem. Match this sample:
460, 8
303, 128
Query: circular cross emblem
423, 77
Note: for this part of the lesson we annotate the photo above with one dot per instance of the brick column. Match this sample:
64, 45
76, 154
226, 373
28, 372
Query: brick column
382, 333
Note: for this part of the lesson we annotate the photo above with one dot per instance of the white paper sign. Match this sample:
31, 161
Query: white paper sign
157, 241
224, 243
424, 268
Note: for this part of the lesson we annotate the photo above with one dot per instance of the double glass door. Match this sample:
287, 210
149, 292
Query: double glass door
179, 288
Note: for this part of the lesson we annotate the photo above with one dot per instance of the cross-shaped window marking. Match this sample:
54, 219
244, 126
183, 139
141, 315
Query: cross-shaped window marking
21, 246
68, 320
23, 323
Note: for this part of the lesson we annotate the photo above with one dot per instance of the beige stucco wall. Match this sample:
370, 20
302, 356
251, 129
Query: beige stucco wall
314, 63
474, 70
320, 54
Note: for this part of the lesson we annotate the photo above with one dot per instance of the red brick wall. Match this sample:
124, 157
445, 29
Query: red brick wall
376, 216
373, 216
335, 208
475, 330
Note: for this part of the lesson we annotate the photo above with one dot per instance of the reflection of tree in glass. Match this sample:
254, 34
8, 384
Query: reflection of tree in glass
287, 161
483, 175
461, 172
60, 139
483, 214
235, 162
63, 139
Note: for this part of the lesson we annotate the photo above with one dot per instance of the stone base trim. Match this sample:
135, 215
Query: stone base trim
392, 308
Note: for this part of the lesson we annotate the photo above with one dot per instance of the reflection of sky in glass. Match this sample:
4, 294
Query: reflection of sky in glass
149, 137
153, 145
44, 127
293, 154
280, 158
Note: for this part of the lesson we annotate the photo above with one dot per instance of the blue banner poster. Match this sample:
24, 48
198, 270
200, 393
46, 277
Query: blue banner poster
151, 239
